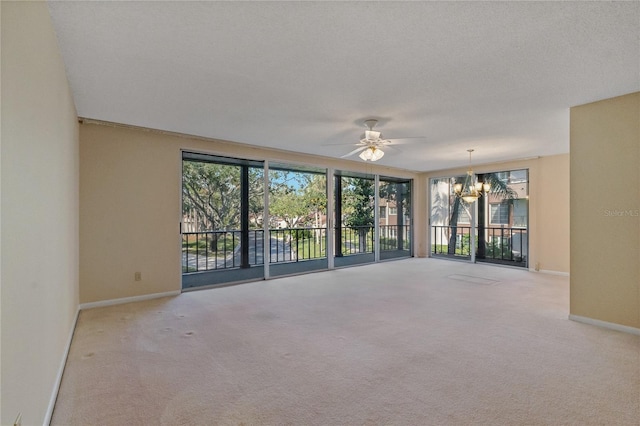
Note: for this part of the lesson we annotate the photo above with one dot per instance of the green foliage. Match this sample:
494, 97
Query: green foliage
211, 193
297, 198
210, 244
303, 234
398, 192
463, 246
498, 249
358, 202
499, 186
308, 247
444, 249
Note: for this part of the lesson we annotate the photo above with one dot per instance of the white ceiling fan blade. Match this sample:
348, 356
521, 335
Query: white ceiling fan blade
354, 151
341, 144
394, 148
405, 140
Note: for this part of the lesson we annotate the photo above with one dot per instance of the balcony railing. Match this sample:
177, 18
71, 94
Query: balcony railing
356, 240
217, 250
395, 237
506, 245
501, 244
296, 244
441, 237
211, 250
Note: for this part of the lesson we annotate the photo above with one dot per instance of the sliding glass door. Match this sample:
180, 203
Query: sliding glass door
493, 229
450, 220
354, 235
394, 218
246, 220
297, 220
222, 232
372, 218
503, 219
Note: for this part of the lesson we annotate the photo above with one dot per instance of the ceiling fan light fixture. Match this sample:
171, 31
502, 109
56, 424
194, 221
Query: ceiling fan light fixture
371, 154
371, 135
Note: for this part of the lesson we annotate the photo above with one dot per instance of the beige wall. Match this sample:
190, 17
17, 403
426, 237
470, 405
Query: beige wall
605, 205
39, 295
130, 206
130, 183
548, 208
553, 213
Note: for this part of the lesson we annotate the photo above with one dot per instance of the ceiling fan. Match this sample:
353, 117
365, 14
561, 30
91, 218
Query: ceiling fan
370, 145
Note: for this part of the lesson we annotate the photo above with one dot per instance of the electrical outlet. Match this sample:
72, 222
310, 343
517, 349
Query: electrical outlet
18, 421
137, 276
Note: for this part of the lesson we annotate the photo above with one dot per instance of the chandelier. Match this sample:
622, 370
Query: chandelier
471, 189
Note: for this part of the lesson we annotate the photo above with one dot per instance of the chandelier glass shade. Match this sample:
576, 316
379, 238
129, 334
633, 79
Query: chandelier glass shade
471, 189
371, 154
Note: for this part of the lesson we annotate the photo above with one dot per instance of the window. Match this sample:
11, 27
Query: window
383, 211
463, 215
517, 176
503, 176
499, 213
520, 213
395, 234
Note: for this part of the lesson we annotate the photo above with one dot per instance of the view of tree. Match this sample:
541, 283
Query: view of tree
315, 194
211, 193
398, 192
288, 205
358, 204
297, 198
215, 214
440, 193
499, 187
455, 213
256, 197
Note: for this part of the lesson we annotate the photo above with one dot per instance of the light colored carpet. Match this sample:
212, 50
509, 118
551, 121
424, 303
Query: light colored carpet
412, 342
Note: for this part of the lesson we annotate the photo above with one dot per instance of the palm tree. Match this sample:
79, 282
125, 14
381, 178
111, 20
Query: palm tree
499, 187
439, 201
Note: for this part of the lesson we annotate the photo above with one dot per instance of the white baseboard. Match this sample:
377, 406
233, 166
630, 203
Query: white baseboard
111, 302
605, 324
547, 271
63, 363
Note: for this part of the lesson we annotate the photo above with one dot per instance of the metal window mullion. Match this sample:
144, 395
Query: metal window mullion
206, 251
244, 217
399, 215
376, 218
266, 233
337, 228
197, 252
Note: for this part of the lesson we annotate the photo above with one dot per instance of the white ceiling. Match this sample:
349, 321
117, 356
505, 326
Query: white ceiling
498, 77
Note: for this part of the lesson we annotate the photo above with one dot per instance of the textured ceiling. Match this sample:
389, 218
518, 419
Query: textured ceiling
498, 77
